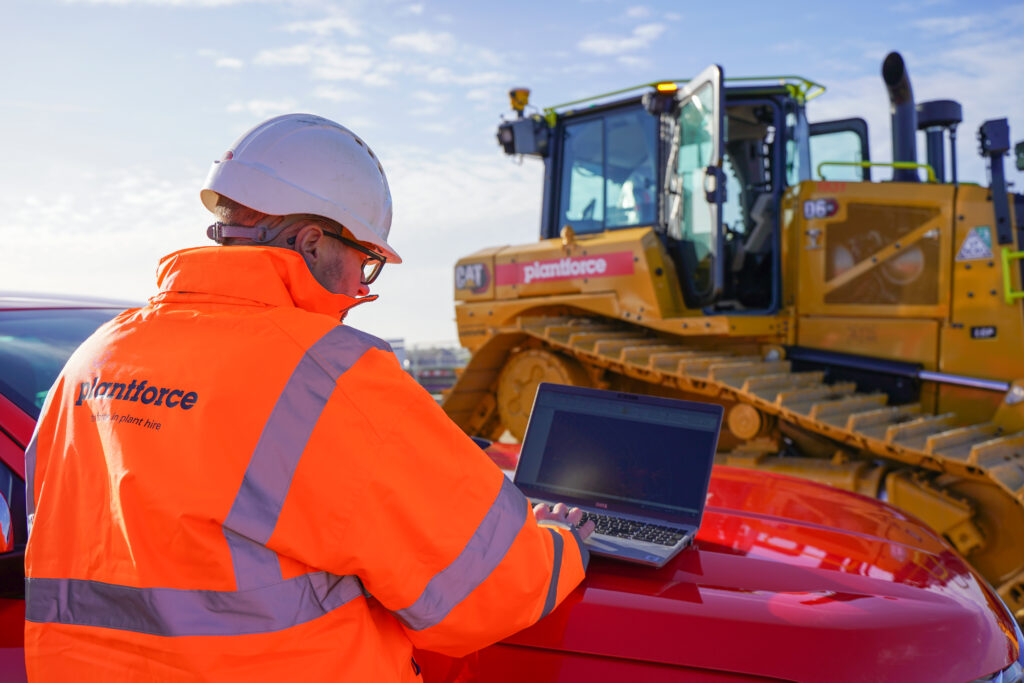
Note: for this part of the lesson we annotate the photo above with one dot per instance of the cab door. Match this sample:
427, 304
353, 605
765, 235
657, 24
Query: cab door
695, 188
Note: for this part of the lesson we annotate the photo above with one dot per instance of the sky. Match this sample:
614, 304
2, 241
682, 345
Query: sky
113, 110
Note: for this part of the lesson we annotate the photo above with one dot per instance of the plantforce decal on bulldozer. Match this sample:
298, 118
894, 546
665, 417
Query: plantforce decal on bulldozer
600, 265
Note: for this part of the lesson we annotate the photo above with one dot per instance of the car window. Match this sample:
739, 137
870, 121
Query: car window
35, 344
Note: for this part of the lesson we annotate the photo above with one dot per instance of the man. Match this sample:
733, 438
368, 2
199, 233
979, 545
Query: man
227, 484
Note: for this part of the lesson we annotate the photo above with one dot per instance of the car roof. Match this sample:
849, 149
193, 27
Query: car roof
35, 300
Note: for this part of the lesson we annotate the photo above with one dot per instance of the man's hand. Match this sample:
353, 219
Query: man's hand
561, 513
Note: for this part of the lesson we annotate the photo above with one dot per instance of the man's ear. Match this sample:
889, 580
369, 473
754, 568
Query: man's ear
309, 241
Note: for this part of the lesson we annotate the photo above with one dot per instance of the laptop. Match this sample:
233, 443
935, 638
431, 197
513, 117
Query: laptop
639, 466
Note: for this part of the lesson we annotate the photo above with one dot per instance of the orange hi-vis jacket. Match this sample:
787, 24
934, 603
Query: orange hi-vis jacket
227, 484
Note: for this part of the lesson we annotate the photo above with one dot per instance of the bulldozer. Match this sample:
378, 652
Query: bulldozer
701, 238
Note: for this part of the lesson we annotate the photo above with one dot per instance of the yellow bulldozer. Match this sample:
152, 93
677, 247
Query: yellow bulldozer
702, 238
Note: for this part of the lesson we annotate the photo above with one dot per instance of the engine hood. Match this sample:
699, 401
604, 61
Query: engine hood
793, 580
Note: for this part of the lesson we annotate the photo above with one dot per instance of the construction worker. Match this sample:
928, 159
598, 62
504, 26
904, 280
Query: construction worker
228, 484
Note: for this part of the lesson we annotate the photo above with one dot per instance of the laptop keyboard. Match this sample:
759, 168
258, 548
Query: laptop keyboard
638, 531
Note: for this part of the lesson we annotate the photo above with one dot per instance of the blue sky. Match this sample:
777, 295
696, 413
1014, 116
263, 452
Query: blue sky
113, 109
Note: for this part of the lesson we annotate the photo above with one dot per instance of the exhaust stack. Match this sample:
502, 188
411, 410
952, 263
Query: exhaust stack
904, 116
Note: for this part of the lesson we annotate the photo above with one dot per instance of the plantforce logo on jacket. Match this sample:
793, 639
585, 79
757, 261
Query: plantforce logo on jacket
136, 391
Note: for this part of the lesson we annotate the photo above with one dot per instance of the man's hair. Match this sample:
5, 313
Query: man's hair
231, 212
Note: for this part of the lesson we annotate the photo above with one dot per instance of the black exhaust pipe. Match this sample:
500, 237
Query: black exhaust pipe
904, 116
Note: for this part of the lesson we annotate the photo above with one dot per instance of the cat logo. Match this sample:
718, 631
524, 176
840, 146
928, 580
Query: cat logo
472, 276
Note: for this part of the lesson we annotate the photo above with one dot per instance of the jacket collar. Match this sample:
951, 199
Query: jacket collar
258, 275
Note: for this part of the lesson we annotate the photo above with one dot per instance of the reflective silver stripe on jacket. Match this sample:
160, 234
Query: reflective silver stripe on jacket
268, 477
179, 612
549, 602
482, 554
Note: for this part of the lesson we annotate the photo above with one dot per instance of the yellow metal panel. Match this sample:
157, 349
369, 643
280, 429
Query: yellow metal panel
630, 263
984, 336
476, 319
913, 341
909, 274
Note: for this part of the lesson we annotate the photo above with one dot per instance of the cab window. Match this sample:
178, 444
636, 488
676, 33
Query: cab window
842, 146
609, 172
838, 148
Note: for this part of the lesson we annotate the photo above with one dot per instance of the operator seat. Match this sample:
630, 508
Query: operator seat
761, 216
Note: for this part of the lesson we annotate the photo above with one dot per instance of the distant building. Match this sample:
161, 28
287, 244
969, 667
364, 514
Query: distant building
435, 366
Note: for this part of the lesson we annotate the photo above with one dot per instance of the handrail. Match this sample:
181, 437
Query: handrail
800, 88
1009, 293
888, 164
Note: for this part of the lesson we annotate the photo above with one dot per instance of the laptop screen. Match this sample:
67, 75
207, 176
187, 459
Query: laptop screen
630, 452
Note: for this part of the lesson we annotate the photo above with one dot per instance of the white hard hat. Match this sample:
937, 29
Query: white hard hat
306, 164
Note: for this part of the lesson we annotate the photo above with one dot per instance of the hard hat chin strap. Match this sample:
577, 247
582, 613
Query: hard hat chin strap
258, 234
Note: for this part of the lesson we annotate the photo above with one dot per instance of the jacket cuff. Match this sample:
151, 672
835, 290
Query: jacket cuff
584, 552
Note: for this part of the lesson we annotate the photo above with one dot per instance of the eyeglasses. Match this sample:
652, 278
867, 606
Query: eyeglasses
372, 264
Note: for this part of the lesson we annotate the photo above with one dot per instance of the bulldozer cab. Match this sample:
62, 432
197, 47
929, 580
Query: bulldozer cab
704, 164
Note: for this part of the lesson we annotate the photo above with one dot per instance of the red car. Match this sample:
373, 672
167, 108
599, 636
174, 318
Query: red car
787, 580
37, 334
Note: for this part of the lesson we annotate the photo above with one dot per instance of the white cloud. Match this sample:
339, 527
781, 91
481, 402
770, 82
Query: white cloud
391, 68
359, 123
638, 12
429, 96
424, 42
220, 60
489, 58
950, 25
334, 94
641, 37
332, 63
263, 108
789, 47
325, 26
633, 61
918, 7
171, 3
443, 75
427, 110
229, 63
415, 9
436, 127
480, 95
284, 56
57, 107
